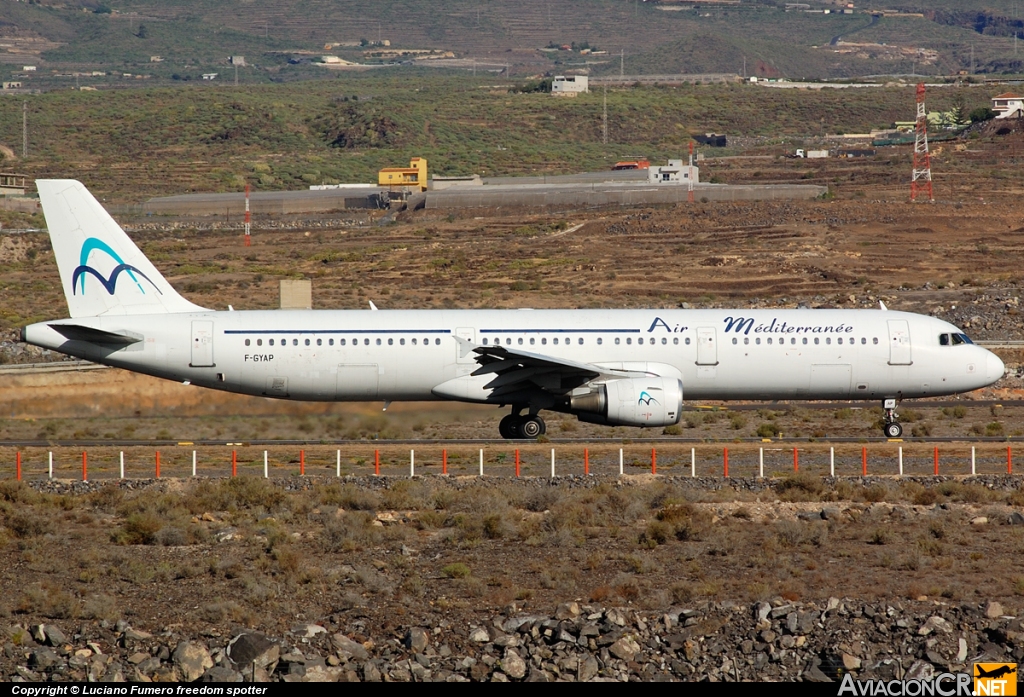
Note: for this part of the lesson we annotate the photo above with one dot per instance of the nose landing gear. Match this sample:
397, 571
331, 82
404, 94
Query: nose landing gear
891, 427
515, 426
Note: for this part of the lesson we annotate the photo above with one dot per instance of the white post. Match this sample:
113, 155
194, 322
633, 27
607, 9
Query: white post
122, 464
51, 464
412, 463
266, 466
338, 468
693, 462
901, 460
832, 462
760, 466
552, 463
620, 462
193, 463
481, 462
973, 470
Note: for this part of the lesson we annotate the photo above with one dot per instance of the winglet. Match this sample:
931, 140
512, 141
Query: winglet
466, 346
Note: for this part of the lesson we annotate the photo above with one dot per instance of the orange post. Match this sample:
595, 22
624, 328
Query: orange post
19, 465
85, 468
376, 463
936, 460
654, 461
586, 461
796, 461
517, 462
302, 463
1009, 461
234, 463
158, 464
725, 459
444, 462
864, 462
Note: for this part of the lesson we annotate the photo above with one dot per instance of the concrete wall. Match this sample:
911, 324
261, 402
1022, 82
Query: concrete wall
585, 197
262, 203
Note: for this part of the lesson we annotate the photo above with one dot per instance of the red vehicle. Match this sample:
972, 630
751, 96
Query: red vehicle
632, 164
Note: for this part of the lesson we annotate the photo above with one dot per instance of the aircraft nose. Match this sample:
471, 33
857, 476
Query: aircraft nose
995, 368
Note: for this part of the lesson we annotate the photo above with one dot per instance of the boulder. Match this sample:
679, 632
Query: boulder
192, 660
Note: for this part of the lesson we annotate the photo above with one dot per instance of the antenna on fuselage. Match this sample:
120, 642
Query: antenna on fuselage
372, 306
882, 306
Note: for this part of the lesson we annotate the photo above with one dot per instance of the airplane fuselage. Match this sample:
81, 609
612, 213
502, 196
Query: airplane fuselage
416, 355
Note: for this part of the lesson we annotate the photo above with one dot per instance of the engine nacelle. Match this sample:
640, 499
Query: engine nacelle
653, 401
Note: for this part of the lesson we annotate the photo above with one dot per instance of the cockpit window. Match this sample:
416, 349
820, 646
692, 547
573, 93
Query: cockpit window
954, 339
958, 339
943, 339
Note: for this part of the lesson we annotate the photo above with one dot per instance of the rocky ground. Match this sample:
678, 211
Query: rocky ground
524, 580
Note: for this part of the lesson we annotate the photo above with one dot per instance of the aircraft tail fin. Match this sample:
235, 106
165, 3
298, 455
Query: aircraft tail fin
103, 272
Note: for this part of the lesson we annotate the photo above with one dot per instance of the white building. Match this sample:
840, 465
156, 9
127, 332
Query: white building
569, 86
676, 172
1008, 105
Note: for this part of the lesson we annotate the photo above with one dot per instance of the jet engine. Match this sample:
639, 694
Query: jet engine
649, 401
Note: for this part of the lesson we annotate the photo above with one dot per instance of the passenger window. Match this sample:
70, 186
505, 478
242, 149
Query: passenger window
675, 340
295, 342
629, 340
485, 341
874, 340
543, 341
414, 341
391, 342
271, 342
816, 341
757, 341
580, 341
617, 340
378, 342
640, 340
805, 341
839, 340
437, 342
746, 340
307, 342
600, 341
246, 342
828, 340
863, 340
687, 341
664, 341
402, 342
793, 340
259, 342
508, 341
769, 341
555, 341
520, 341
735, 340
532, 341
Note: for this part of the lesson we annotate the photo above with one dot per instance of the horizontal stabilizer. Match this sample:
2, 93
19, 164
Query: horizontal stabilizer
76, 332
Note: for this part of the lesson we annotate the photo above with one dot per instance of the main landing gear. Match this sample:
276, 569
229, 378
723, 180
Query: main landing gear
891, 428
515, 426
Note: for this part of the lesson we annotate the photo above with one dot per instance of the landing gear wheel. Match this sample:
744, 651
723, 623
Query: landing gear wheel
531, 427
508, 427
893, 430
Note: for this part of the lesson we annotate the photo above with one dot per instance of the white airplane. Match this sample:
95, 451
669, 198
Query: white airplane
613, 367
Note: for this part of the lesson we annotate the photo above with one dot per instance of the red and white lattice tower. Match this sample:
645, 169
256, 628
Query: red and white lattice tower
248, 242
689, 177
921, 181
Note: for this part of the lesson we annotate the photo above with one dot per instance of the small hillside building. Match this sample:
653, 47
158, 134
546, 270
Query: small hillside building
569, 85
676, 172
1008, 105
413, 176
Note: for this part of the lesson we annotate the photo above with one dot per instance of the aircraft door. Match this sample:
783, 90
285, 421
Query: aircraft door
707, 346
202, 344
899, 342
465, 352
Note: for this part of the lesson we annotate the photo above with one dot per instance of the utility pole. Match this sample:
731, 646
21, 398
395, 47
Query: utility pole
622, 62
604, 118
24, 129
921, 178
236, 74
744, 67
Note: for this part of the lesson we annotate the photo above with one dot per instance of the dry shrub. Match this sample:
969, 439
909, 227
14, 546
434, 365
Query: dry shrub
139, 529
29, 523
18, 492
682, 592
406, 495
601, 594
349, 532
926, 497
495, 526
107, 498
1016, 498
223, 611
349, 497
802, 486
47, 599
101, 607
875, 494
234, 494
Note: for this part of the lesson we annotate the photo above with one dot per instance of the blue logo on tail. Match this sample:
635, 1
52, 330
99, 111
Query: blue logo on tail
110, 283
647, 399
